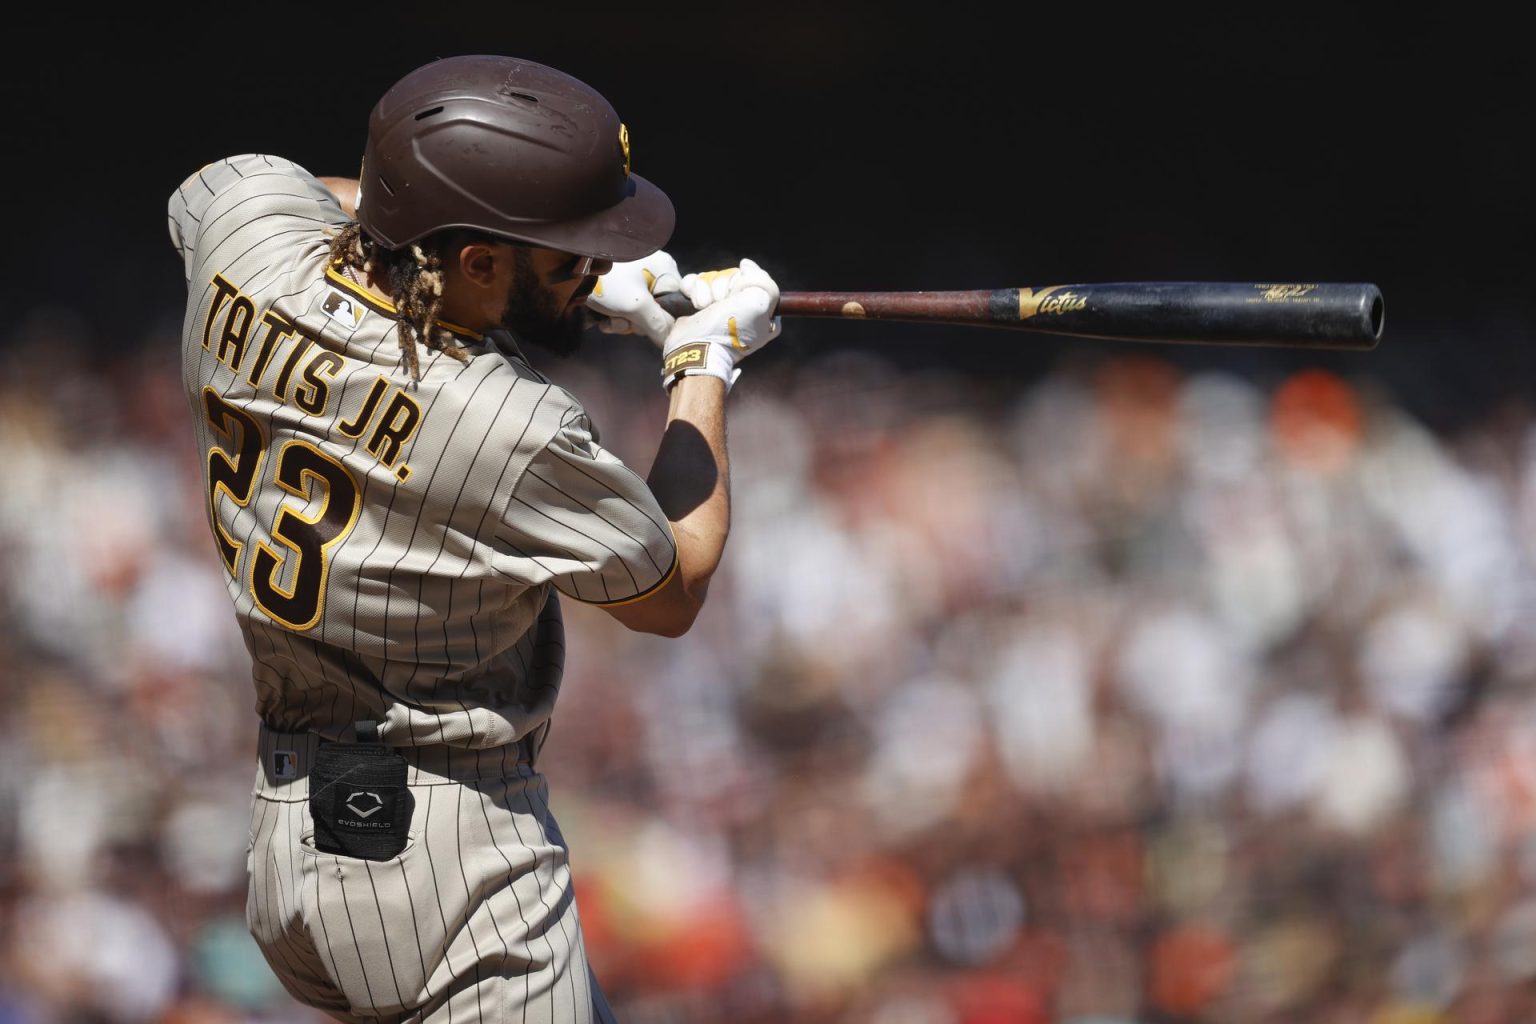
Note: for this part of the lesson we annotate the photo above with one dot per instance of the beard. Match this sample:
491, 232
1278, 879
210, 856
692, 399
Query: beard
533, 316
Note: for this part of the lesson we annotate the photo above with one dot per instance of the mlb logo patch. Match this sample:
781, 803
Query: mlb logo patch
343, 309
285, 764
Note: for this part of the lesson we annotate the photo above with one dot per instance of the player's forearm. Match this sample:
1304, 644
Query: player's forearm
345, 191
690, 478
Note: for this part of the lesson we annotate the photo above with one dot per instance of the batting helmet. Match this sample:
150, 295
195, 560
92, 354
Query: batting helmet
511, 148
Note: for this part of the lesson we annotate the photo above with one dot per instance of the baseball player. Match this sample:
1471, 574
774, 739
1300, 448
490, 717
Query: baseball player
399, 499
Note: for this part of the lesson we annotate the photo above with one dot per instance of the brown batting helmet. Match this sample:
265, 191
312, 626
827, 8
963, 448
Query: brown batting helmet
511, 148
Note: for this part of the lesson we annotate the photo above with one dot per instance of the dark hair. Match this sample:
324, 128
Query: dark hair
415, 276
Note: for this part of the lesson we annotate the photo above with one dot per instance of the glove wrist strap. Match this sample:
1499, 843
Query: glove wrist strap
696, 358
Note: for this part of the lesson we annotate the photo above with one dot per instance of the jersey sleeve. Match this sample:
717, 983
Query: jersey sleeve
245, 197
582, 519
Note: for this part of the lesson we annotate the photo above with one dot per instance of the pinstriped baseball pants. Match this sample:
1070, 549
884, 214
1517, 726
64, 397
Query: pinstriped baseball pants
474, 921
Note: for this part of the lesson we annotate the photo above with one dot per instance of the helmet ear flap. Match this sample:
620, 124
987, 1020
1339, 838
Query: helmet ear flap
511, 148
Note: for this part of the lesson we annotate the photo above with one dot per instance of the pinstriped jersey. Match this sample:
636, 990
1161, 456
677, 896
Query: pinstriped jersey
393, 549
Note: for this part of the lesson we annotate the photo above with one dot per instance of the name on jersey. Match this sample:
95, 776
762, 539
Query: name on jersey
304, 372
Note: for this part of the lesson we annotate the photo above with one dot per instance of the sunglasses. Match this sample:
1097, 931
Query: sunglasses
580, 266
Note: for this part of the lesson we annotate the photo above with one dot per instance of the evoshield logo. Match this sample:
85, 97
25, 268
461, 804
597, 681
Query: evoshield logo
365, 804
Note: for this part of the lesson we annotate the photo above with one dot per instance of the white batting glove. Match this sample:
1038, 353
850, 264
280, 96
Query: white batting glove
735, 319
713, 285
626, 297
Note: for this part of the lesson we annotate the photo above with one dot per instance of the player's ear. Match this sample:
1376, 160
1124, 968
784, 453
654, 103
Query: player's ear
480, 262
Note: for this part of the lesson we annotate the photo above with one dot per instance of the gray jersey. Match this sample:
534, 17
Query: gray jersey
391, 547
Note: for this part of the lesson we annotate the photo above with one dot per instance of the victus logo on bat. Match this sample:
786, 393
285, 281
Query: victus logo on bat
1063, 302
1049, 300
1282, 292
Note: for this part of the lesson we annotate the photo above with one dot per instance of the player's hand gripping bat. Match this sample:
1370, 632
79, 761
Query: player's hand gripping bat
1331, 316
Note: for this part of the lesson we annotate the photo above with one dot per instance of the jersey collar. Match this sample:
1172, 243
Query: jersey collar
379, 305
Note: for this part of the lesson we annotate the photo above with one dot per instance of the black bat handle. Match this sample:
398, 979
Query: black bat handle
675, 303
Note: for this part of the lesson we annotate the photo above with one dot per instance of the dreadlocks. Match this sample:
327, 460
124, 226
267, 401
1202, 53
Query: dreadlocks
415, 275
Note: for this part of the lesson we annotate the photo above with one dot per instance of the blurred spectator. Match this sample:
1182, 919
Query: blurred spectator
1127, 696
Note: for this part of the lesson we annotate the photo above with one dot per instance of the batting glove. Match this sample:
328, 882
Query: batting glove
625, 296
734, 319
713, 285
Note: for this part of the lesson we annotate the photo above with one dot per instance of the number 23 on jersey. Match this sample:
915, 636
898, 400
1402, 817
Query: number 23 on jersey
302, 542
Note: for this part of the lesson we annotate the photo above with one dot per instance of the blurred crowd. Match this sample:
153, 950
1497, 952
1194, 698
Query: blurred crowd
1119, 694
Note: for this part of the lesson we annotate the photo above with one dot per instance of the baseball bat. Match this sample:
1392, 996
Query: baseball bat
1326, 316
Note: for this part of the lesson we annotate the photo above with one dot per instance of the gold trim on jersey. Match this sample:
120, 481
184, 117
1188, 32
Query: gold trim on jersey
311, 393
644, 593
364, 415
238, 314
387, 308
278, 328
231, 472
305, 536
397, 425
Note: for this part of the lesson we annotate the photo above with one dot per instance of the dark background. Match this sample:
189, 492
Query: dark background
864, 148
